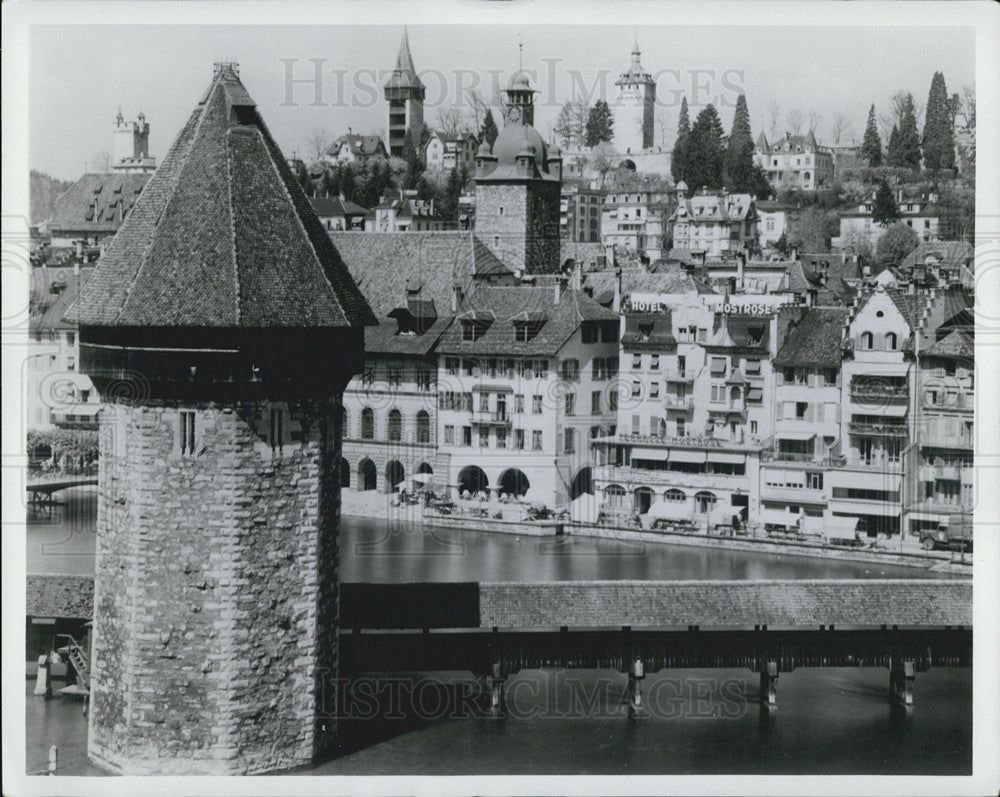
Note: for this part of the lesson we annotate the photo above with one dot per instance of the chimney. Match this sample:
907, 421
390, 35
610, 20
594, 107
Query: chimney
456, 298
617, 303
558, 288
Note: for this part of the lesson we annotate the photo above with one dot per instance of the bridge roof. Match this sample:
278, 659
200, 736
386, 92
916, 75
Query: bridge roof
908, 603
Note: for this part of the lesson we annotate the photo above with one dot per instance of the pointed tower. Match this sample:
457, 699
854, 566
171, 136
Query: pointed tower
220, 328
404, 94
633, 109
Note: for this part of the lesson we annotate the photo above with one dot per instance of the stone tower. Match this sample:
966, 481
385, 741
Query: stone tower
404, 94
220, 328
517, 188
122, 139
130, 145
633, 108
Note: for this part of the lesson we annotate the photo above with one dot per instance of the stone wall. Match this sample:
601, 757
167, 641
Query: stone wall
215, 609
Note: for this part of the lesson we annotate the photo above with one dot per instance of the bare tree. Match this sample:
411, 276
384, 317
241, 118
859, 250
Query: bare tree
815, 119
319, 141
478, 106
795, 120
450, 120
840, 124
663, 127
773, 118
885, 125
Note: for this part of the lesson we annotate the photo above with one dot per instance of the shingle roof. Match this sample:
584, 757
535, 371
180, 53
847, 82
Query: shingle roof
54, 316
816, 341
363, 146
705, 208
97, 203
947, 253
909, 305
325, 206
404, 76
384, 338
581, 252
664, 280
384, 263
507, 305
222, 236
957, 345
61, 597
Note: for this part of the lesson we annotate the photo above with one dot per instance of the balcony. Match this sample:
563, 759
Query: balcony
674, 402
679, 376
794, 495
878, 429
942, 440
947, 472
878, 395
877, 463
964, 400
491, 418
727, 407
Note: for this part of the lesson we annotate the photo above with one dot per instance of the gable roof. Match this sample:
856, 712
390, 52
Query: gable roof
506, 306
326, 206
667, 278
53, 316
714, 207
816, 341
222, 236
956, 344
948, 253
384, 264
97, 203
362, 146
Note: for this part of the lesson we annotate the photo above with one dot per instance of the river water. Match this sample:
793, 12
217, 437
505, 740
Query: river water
573, 722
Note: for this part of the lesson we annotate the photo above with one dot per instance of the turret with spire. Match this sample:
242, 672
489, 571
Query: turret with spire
633, 109
404, 95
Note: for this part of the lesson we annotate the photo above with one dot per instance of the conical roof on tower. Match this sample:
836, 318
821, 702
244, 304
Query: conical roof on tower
404, 75
222, 236
635, 73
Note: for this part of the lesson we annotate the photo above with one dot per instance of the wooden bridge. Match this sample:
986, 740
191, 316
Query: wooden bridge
495, 629
42, 493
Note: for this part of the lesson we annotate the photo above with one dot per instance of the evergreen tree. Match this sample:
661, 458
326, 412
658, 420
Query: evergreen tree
884, 211
447, 206
895, 244
892, 153
939, 131
564, 127
347, 183
871, 146
760, 185
739, 155
678, 159
704, 152
413, 160
909, 138
600, 124
488, 132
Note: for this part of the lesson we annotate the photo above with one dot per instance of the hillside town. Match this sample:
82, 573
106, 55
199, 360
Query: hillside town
770, 335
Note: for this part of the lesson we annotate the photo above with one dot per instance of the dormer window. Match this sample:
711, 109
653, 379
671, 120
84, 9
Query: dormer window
526, 330
755, 333
473, 329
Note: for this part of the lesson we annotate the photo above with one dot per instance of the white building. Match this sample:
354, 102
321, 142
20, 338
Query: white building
634, 222
918, 212
712, 223
794, 161
446, 151
633, 107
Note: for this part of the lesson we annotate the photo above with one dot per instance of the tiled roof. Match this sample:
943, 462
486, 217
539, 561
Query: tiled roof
223, 236
705, 208
664, 280
326, 206
507, 305
726, 604
385, 263
734, 333
384, 338
958, 345
584, 253
61, 597
54, 316
363, 146
816, 341
404, 76
97, 203
947, 253
909, 305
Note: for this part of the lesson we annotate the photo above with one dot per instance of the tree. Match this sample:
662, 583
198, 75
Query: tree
447, 205
488, 132
739, 153
760, 185
413, 160
895, 244
678, 158
579, 114
965, 129
814, 230
347, 183
884, 209
563, 128
939, 129
705, 154
662, 125
795, 121
892, 153
871, 146
839, 125
319, 141
773, 118
815, 120
600, 124
907, 151
603, 159
450, 120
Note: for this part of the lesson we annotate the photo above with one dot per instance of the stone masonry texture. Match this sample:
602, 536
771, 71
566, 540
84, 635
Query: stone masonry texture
216, 598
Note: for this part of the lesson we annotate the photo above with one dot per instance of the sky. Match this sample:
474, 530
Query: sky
79, 76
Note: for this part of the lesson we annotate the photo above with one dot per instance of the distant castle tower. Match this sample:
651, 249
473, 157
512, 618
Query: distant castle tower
130, 145
517, 188
404, 94
220, 335
633, 110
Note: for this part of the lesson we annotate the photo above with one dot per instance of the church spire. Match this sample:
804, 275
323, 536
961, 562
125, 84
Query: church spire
404, 75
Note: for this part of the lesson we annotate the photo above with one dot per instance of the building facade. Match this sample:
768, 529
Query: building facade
354, 148
714, 223
446, 151
633, 107
580, 209
635, 222
794, 161
130, 146
917, 212
404, 212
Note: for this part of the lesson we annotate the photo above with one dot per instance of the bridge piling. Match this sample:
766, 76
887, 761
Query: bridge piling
636, 674
769, 682
902, 673
498, 677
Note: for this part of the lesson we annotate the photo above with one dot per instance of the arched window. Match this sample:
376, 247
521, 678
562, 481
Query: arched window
367, 424
890, 341
704, 502
674, 494
614, 495
395, 426
423, 427
867, 341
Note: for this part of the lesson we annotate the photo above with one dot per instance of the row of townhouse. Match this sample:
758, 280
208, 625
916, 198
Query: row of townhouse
855, 417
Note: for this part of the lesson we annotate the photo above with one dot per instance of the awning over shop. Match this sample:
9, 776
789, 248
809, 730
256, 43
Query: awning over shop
671, 510
755, 394
865, 480
585, 508
655, 454
722, 515
797, 436
779, 517
845, 505
726, 457
492, 389
686, 455
840, 527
